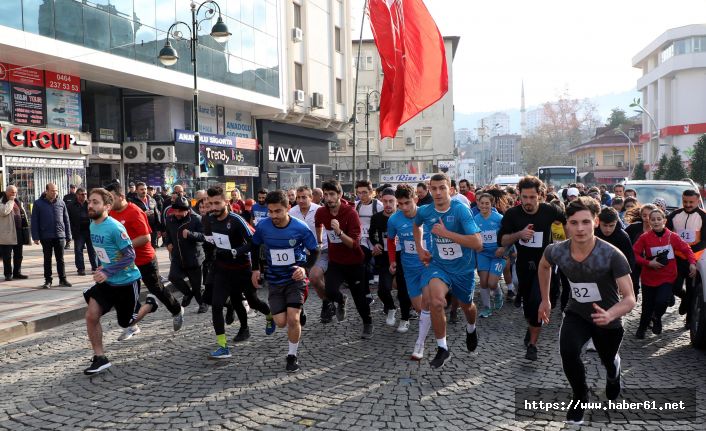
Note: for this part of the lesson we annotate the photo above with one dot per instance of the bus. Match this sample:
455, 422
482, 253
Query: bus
557, 176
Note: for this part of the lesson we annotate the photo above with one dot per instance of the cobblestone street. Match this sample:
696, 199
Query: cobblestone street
163, 380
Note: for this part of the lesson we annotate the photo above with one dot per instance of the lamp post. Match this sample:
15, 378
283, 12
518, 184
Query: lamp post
640, 109
168, 56
630, 144
354, 120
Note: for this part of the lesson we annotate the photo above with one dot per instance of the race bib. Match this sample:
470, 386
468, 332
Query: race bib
221, 241
449, 251
535, 241
332, 237
688, 236
585, 292
489, 237
655, 251
282, 257
364, 232
102, 254
410, 247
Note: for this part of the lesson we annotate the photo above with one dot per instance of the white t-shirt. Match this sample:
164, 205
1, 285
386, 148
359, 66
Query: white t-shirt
461, 198
296, 212
365, 212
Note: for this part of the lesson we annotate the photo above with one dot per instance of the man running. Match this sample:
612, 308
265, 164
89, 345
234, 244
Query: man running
529, 226
406, 265
598, 274
290, 249
378, 238
450, 264
346, 259
259, 210
117, 278
366, 207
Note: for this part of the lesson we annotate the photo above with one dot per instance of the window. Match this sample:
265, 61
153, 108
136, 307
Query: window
422, 138
38, 17
369, 59
339, 91
336, 146
612, 158
362, 146
11, 15
666, 53
67, 14
397, 143
337, 39
298, 77
297, 15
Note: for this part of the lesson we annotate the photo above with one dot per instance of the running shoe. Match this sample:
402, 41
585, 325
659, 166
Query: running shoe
302, 317
404, 326
152, 300
453, 316
292, 364
574, 415
326, 316
510, 295
418, 352
499, 302
390, 321
371, 299
242, 335
442, 355
98, 364
486, 312
220, 353
186, 300
178, 320
367, 331
683, 306
270, 327
203, 307
518, 301
129, 332
413, 314
640, 334
64, 283
612, 387
341, 309
531, 353
472, 340
657, 326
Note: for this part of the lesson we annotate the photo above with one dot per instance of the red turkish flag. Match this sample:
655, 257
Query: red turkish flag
413, 59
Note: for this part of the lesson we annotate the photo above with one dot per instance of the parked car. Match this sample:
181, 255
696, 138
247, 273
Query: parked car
670, 191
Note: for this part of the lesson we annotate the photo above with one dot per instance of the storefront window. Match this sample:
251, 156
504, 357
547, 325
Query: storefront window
31, 182
139, 118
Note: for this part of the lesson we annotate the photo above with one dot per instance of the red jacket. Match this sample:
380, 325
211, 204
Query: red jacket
648, 244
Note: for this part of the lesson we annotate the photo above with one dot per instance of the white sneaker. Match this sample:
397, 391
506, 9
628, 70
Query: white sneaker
129, 332
404, 326
418, 353
391, 318
178, 320
248, 310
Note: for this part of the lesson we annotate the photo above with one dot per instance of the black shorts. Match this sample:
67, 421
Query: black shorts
290, 295
125, 299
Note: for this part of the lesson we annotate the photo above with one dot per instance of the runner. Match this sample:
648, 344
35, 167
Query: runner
450, 264
407, 267
529, 226
259, 210
346, 258
379, 239
491, 262
599, 275
366, 208
232, 270
135, 222
117, 278
291, 249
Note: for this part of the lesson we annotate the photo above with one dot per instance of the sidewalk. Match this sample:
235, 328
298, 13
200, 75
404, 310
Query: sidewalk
26, 308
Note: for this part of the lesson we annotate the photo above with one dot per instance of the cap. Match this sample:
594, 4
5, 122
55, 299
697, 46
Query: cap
249, 202
181, 203
572, 191
660, 202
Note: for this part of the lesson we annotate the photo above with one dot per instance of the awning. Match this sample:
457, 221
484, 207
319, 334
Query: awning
611, 174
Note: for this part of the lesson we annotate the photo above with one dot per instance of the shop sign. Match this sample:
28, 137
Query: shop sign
241, 171
238, 124
187, 137
42, 140
31, 162
286, 155
404, 178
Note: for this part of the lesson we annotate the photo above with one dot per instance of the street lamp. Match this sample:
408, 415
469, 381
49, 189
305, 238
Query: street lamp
354, 120
630, 144
640, 109
168, 56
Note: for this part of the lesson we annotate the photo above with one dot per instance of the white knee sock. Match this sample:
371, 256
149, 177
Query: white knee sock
485, 297
424, 325
441, 342
293, 347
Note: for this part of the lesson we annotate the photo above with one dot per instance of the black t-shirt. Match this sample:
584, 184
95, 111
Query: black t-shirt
378, 235
239, 237
516, 219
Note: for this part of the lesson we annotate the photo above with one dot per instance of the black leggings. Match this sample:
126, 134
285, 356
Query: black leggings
353, 275
655, 300
177, 276
234, 284
150, 277
575, 332
382, 265
528, 287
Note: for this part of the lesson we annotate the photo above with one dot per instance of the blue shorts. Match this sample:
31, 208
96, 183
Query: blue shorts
493, 265
460, 285
413, 278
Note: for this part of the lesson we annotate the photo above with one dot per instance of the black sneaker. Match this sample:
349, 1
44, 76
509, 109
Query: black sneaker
341, 309
683, 307
186, 300
302, 317
510, 295
65, 283
527, 337
8, 278
152, 300
46, 285
453, 316
518, 301
230, 315
98, 364
640, 334
472, 340
81, 272
531, 352
367, 331
328, 309
442, 355
203, 307
292, 364
612, 387
657, 326
20, 276
242, 335
575, 413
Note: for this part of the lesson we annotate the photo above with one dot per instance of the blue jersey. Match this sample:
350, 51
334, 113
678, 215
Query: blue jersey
402, 227
489, 231
259, 212
450, 256
110, 237
285, 247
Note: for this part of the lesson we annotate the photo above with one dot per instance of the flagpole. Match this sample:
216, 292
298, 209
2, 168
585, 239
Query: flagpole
354, 118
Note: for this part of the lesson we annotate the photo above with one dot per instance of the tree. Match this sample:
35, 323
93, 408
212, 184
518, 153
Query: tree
698, 161
661, 167
675, 168
639, 173
616, 118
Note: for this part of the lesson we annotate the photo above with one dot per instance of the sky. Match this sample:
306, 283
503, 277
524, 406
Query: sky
585, 48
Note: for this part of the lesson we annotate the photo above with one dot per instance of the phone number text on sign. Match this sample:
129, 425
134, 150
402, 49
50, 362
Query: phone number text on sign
63, 82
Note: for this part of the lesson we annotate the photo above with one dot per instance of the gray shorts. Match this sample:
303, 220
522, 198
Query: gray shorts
290, 295
322, 261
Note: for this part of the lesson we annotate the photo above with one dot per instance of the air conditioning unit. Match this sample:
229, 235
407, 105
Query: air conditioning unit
162, 154
317, 100
298, 96
297, 35
619, 164
106, 151
350, 142
135, 152
410, 141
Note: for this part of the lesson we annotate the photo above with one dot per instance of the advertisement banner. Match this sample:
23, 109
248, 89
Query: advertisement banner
238, 124
291, 178
28, 105
208, 120
63, 100
404, 178
5, 101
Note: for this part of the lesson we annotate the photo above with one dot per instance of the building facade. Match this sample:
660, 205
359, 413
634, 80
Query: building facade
497, 124
672, 84
610, 157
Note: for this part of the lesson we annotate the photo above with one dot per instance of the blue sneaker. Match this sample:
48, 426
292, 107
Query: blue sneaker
499, 300
486, 312
270, 328
220, 353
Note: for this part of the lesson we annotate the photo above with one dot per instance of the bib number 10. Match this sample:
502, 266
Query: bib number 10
281, 257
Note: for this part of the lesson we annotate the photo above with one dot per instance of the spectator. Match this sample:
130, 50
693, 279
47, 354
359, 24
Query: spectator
50, 227
630, 193
423, 196
13, 220
80, 231
317, 195
464, 187
292, 197
68, 198
131, 191
236, 202
148, 204
605, 196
